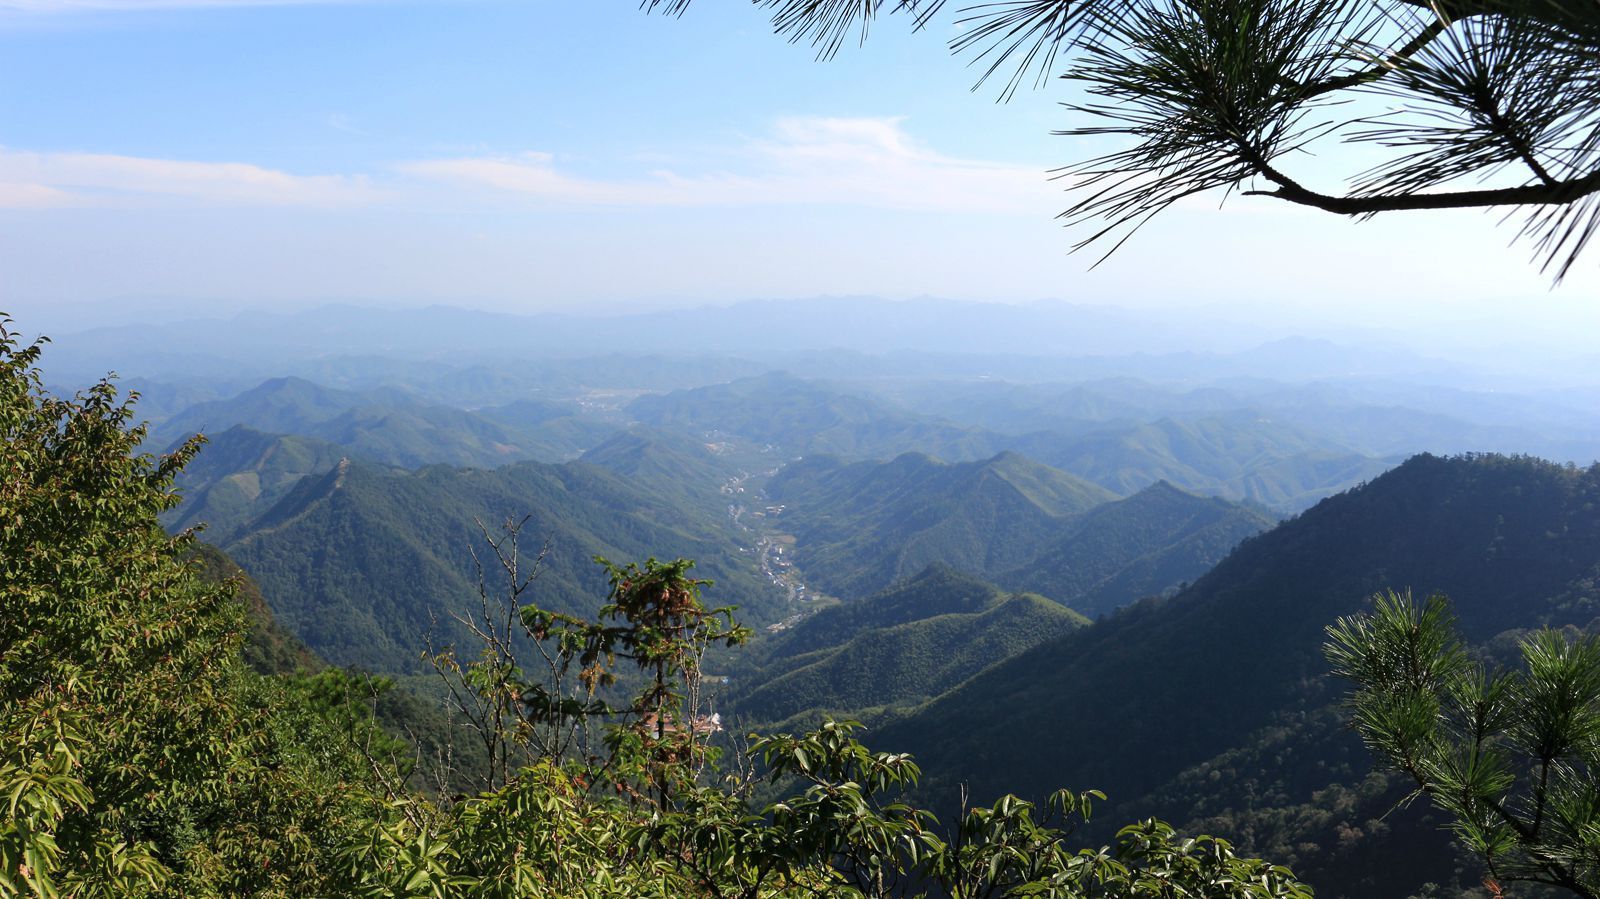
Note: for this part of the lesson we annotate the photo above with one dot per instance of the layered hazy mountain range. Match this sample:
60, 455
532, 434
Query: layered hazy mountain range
1118, 554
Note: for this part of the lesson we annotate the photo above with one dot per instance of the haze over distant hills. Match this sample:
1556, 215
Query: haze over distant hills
1001, 484
393, 426
865, 324
1042, 340
1063, 369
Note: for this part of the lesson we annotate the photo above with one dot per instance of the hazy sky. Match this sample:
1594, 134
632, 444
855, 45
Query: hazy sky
531, 154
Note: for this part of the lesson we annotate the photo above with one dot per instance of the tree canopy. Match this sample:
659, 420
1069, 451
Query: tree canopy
141, 756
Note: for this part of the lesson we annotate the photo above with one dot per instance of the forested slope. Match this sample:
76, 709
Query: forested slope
242, 473
1144, 545
365, 562
1023, 525
908, 643
864, 525
1132, 704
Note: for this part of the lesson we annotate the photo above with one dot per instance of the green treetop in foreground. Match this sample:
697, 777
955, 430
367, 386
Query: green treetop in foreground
140, 756
1479, 103
138, 753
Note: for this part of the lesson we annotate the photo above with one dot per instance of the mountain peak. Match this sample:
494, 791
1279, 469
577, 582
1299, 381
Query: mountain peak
1509, 539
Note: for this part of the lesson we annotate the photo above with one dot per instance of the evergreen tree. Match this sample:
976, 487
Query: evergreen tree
1511, 756
1223, 94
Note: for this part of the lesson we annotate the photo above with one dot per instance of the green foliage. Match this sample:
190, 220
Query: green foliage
142, 756
845, 834
876, 845
1510, 756
39, 776
542, 678
649, 817
540, 835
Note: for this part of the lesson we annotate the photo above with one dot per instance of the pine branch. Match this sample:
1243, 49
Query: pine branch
1383, 67
1552, 193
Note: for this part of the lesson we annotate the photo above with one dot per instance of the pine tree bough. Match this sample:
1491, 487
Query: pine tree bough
1490, 103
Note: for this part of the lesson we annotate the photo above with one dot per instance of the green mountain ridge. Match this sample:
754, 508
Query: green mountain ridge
1240, 455
913, 641
241, 472
667, 462
393, 426
1144, 545
285, 405
864, 525
1023, 525
1143, 700
363, 562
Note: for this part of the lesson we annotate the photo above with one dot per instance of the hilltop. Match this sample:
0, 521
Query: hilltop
365, 562
908, 643
1228, 675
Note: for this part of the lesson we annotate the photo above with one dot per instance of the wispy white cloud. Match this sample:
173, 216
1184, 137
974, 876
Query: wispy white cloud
871, 162
22, 195
34, 180
841, 162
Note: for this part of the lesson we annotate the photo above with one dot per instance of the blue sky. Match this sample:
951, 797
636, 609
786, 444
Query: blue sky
529, 154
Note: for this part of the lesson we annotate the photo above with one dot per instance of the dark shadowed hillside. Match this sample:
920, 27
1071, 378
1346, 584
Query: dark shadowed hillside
269, 647
1138, 705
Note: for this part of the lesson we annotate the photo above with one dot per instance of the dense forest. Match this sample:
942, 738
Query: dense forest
379, 679
146, 756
